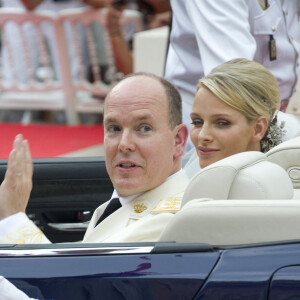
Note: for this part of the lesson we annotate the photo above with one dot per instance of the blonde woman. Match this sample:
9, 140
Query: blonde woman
235, 110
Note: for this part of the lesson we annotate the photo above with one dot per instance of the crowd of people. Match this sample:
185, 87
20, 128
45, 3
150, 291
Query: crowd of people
235, 66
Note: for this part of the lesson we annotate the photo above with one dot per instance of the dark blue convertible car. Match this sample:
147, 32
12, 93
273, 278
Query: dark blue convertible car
154, 271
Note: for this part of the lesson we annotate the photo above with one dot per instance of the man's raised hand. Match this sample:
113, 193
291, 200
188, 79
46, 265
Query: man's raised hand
17, 184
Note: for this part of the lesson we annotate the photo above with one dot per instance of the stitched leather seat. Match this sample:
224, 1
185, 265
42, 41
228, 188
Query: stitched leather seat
235, 222
287, 155
241, 199
246, 175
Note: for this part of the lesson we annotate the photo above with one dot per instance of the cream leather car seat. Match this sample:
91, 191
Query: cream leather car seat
246, 175
287, 155
241, 199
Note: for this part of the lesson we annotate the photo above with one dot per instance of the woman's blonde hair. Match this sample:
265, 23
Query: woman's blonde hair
245, 85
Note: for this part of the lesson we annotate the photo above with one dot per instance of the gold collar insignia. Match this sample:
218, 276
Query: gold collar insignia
139, 208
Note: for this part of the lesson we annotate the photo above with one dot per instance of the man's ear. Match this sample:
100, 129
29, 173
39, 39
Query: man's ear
260, 128
181, 134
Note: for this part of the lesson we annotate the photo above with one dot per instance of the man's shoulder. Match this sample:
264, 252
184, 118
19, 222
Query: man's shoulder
171, 205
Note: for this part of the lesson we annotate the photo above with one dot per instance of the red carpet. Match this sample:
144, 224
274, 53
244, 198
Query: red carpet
50, 140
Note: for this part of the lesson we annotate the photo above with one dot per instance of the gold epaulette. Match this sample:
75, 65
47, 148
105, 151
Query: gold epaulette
168, 205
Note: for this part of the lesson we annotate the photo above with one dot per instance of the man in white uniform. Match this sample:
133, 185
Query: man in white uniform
206, 33
144, 141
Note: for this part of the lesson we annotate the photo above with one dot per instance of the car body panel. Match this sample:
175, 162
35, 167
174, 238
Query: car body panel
246, 273
154, 271
285, 283
114, 272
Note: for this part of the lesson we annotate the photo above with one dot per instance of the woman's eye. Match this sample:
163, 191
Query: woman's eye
197, 122
223, 123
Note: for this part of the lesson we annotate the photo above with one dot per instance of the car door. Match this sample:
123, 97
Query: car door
108, 271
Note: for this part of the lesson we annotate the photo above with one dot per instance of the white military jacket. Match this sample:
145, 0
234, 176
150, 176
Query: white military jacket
142, 219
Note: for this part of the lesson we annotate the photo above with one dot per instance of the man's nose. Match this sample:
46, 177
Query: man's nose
127, 142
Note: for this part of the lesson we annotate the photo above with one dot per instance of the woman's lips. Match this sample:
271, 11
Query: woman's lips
207, 151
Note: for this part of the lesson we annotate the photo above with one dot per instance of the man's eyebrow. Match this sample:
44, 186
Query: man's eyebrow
110, 120
138, 119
